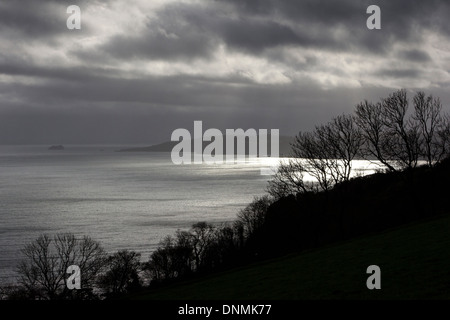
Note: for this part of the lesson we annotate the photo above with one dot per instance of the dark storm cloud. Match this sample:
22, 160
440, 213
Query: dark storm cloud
187, 31
156, 43
398, 73
192, 30
255, 26
400, 15
415, 55
169, 35
402, 20
18, 67
98, 93
129, 117
33, 20
190, 91
256, 36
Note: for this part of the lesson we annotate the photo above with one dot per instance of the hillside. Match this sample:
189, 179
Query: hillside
319, 245
414, 261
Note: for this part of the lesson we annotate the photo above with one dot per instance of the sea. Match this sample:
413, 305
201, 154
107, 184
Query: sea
124, 200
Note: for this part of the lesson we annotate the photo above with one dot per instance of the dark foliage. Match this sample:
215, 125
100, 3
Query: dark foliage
122, 274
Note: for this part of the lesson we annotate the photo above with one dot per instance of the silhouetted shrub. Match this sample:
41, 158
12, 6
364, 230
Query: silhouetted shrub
121, 274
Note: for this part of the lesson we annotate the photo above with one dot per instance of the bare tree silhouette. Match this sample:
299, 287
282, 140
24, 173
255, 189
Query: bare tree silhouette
399, 138
43, 270
122, 273
326, 154
433, 127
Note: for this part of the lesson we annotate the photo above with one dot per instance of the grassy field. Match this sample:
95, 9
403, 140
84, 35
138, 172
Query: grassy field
414, 261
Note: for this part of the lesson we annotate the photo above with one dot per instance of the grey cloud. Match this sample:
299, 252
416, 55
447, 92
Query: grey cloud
99, 102
189, 31
415, 55
402, 20
306, 62
184, 31
80, 74
154, 44
253, 31
34, 20
133, 118
349, 12
147, 111
170, 35
257, 36
399, 73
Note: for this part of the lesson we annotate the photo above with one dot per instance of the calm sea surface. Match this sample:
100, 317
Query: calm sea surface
125, 200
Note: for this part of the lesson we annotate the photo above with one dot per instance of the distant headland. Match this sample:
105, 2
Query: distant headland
167, 146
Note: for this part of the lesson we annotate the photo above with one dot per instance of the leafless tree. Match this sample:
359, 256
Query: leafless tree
122, 273
179, 255
184, 263
399, 138
443, 145
43, 270
432, 126
403, 133
369, 118
310, 149
162, 263
289, 179
201, 235
326, 153
253, 215
345, 140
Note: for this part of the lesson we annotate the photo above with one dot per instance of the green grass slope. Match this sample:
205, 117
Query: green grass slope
414, 261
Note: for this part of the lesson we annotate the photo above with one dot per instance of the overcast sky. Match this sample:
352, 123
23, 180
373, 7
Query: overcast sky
139, 69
